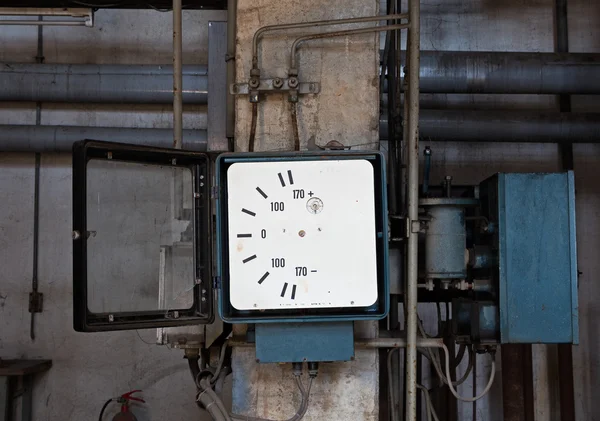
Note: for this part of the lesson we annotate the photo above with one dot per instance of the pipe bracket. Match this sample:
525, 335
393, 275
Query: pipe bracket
276, 85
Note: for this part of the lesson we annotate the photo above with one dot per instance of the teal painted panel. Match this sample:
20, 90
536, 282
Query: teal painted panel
537, 258
297, 342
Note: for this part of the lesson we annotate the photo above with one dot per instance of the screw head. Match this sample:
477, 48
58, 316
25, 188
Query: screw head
302, 233
277, 83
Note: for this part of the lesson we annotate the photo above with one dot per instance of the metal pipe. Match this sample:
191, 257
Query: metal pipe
412, 150
177, 75
106, 83
515, 73
505, 126
549, 73
398, 343
230, 107
373, 343
341, 34
472, 72
329, 22
25, 138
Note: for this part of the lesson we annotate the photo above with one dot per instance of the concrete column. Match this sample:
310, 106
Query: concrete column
346, 110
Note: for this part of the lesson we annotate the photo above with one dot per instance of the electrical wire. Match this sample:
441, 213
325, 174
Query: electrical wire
434, 357
296, 417
293, 112
210, 400
220, 364
104, 408
253, 127
392, 398
429, 405
451, 386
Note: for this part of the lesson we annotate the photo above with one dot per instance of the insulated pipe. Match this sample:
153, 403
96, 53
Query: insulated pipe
177, 75
412, 152
505, 126
470, 72
509, 73
443, 71
22, 138
104, 83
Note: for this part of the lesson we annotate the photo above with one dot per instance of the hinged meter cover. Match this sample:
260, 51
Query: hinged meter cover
302, 236
141, 237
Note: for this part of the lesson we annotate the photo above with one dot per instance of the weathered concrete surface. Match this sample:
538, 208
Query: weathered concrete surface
346, 110
347, 67
88, 368
342, 391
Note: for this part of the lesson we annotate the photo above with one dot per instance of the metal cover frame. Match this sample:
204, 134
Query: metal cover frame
202, 311
229, 314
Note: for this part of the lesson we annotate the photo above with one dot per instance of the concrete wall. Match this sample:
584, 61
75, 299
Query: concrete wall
89, 368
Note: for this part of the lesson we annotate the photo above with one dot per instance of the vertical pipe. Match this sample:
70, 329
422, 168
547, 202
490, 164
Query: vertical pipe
36, 193
177, 76
412, 152
230, 107
565, 351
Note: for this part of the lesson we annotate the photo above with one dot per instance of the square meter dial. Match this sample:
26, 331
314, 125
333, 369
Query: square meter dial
302, 236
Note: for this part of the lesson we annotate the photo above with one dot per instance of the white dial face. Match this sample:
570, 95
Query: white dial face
302, 234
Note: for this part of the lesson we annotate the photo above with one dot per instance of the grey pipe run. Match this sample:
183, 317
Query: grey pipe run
108, 83
504, 126
23, 138
462, 72
441, 72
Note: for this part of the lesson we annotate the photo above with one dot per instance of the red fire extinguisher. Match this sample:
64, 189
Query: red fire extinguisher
124, 400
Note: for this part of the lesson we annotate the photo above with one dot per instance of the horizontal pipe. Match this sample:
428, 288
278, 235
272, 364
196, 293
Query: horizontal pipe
462, 72
366, 343
23, 138
441, 72
397, 343
504, 126
104, 83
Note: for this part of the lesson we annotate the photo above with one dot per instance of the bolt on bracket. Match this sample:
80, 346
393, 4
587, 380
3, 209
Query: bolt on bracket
276, 85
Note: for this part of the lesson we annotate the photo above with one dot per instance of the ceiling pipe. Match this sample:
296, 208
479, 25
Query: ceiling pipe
25, 138
504, 126
470, 72
441, 72
514, 73
103, 83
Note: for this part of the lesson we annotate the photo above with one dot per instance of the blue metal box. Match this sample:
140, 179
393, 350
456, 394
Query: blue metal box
535, 240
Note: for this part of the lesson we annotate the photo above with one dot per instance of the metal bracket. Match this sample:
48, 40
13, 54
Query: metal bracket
275, 85
36, 302
415, 227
